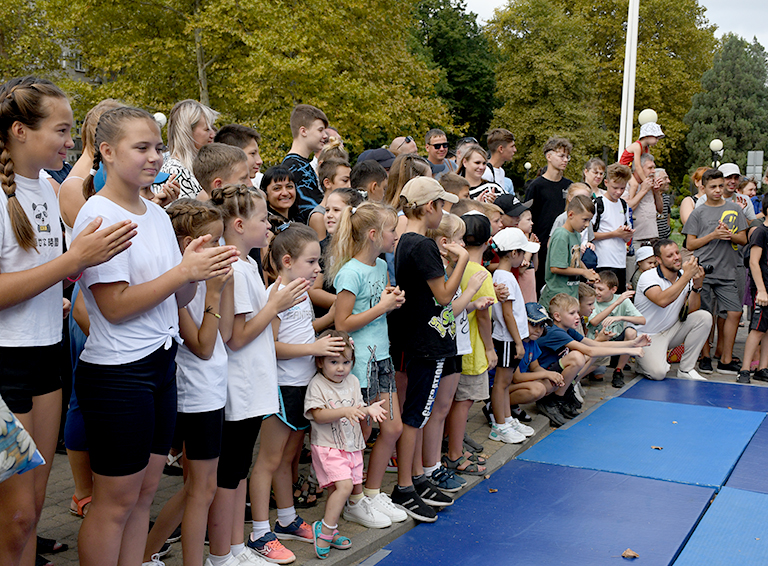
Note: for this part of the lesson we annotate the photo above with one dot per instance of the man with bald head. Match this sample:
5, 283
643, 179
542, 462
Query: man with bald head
403, 144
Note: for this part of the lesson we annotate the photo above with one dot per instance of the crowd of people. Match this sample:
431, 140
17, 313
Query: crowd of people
208, 305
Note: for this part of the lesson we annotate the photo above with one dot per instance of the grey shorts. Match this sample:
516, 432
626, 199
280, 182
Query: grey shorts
726, 293
472, 388
381, 379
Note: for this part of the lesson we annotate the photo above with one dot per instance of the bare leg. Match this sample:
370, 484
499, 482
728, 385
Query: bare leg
730, 328
200, 489
389, 432
750, 347
221, 520
167, 520
274, 435
337, 496
80, 463
282, 480
433, 430
457, 426
406, 447
500, 394
572, 364
528, 391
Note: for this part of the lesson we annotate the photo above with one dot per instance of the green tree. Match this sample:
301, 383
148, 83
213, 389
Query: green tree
451, 40
733, 104
261, 57
27, 45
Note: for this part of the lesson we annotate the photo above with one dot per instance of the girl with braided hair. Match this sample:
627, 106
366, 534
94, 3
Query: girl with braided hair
35, 124
126, 378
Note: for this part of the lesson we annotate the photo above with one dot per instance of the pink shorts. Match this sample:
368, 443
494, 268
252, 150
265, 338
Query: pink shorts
332, 465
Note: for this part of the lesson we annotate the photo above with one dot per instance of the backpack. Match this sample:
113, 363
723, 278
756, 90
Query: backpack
600, 208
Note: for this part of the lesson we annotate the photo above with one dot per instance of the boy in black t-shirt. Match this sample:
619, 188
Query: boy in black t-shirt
308, 126
424, 330
758, 269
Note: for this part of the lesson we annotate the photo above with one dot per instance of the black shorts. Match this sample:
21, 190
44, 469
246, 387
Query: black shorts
398, 359
423, 380
452, 365
201, 434
291, 411
27, 372
129, 411
238, 438
759, 321
506, 352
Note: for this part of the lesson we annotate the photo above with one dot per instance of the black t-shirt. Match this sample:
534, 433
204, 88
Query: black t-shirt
548, 203
422, 327
759, 238
308, 193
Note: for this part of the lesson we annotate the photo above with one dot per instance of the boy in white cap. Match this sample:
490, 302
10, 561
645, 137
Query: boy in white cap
646, 260
650, 134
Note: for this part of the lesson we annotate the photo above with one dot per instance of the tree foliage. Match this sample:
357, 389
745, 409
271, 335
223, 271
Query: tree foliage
452, 41
575, 49
733, 104
27, 45
260, 58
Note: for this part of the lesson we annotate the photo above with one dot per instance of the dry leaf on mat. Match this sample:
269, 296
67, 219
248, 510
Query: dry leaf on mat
629, 553
491, 490
657, 447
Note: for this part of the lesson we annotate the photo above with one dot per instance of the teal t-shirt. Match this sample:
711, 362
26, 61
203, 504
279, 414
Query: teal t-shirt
559, 253
366, 283
626, 308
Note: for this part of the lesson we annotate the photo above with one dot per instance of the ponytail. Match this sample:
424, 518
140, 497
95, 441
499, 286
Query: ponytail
290, 242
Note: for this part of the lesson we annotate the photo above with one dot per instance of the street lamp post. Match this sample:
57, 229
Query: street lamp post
716, 147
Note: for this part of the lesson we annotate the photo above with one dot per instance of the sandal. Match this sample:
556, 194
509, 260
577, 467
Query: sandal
340, 542
471, 468
476, 458
80, 504
302, 494
50, 546
317, 533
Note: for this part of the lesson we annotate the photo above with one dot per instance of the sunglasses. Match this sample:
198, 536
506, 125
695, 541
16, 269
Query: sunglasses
408, 139
466, 140
443, 145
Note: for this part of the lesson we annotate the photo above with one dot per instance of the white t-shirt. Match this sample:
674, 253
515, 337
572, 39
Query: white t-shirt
153, 251
38, 320
500, 330
613, 251
296, 328
463, 343
657, 319
201, 385
499, 177
252, 380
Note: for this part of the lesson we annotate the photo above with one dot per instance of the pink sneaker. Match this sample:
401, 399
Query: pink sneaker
271, 549
297, 530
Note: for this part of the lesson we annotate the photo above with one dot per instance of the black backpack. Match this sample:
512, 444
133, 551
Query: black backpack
600, 208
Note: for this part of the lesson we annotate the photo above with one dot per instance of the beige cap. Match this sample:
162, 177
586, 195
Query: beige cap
421, 190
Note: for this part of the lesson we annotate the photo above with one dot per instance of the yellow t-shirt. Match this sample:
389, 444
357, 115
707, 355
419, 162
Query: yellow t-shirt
476, 362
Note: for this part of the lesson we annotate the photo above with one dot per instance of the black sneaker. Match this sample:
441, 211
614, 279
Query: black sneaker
618, 379
520, 414
761, 374
550, 410
430, 494
743, 377
731, 368
410, 502
565, 409
572, 400
705, 365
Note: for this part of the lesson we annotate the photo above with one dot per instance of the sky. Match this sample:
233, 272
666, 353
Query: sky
742, 17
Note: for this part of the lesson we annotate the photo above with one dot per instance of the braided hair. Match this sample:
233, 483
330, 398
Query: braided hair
190, 217
21, 100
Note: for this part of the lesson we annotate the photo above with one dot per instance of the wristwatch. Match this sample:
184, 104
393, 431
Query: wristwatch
696, 289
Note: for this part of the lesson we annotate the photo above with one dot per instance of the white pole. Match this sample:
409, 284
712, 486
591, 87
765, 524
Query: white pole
628, 87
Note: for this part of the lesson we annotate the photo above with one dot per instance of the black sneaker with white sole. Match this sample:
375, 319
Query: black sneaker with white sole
430, 494
547, 408
410, 502
731, 368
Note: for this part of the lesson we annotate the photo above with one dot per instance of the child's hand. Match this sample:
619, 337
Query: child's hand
587, 246
399, 293
215, 285
556, 378
626, 233
290, 295
590, 275
722, 232
353, 413
482, 303
376, 411
625, 295
493, 358
389, 300
519, 350
762, 299
475, 282
642, 341
533, 238
168, 193
66, 307
328, 346
637, 352
93, 248
609, 320
524, 264
455, 251
605, 335
502, 292
199, 263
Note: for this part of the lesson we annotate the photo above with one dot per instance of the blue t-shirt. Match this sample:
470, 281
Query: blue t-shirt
554, 344
366, 283
531, 354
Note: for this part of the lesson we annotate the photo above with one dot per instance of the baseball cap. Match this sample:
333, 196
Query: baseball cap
643, 253
383, 156
421, 190
728, 169
651, 129
536, 313
510, 239
511, 205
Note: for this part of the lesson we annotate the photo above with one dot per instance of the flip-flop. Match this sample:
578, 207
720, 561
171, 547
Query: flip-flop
472, 469
50, 546
80, 504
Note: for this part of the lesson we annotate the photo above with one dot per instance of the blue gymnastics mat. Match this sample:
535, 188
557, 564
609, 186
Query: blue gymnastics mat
733, 531
751, 471
553, 515
705, 393
699, 445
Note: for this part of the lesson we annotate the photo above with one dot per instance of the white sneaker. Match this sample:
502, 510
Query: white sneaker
525, 430
383, 504
154, 560
506, 433
231, 561
249, 557
364, 513
693, 374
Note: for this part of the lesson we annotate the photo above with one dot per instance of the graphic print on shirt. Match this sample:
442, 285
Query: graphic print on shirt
343, 431
445, 323
729, 219
40, 212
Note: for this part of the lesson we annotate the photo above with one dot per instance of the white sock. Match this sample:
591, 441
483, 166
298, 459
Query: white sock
219, 560
509, 420
260, 528
286, 516
429, 469
237, 548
